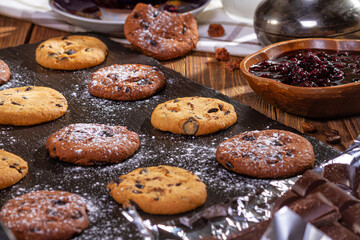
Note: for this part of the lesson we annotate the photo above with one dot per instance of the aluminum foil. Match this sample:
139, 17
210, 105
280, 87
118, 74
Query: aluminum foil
228, 219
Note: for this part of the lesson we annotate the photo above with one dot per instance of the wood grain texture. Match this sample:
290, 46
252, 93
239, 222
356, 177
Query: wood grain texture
205, 69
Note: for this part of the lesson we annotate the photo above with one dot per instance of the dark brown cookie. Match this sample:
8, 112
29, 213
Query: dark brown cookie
4, 72
126, 82
161, 34
90, 144
45, 215
266, 154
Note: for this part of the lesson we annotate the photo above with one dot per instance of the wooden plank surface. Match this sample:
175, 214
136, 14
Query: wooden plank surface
205, 69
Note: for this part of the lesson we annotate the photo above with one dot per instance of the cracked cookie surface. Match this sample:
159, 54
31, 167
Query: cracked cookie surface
193, 116
126, 82
12, 169
71, 52
159, 190
161, 34
45, 215
266, 154
30, 105
92, 144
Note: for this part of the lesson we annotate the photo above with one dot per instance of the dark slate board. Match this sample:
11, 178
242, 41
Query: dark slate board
196, 154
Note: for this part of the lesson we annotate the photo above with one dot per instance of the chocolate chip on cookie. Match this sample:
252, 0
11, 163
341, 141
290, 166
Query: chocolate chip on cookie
193, 116
161, 34
71, 52
4, 72
45, 215
266, 154
12, 169
92, 144
24, 106
159, 190
126, 82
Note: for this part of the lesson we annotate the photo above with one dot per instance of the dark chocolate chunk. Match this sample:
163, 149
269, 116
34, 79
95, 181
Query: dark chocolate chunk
212, 110
249, 138
229, 165
144, 171
272, 159
227, 112
184, 30
136, 15
64, 58
15, 103
190, 127
338, 232
139, 185
58, 202
144, 81
24, 97
350, 218
105, 133
70, 52
178, 184
68, 43
58, 105
127, 90
28, 89
144, 24
65, 38
153, 42
42, 46
221, 107
156, 199
88, 49
137, 192
52, 54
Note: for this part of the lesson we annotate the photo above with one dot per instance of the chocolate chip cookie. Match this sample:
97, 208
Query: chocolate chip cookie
4, 72
12, 169
126, 82
92, 144
266, 154
54, 215
159, 190
30, 105
161, 34
71, 52
193, 116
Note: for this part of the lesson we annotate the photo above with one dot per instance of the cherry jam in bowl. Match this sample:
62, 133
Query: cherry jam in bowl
313, 77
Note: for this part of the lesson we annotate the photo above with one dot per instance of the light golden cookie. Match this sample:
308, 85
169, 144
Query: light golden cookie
12, 169
71, 52
24, 106
193, 116
159, 190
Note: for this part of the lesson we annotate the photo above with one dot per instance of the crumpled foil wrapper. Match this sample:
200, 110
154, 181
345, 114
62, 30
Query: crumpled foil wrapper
228, 219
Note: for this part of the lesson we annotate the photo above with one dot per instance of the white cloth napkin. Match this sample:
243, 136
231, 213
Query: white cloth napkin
239, 38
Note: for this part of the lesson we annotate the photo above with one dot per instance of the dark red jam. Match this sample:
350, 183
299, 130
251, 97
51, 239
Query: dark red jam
311, 68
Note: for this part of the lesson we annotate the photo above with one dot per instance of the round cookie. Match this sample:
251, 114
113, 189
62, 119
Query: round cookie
193, 116
92, 144
126, 82
159, 190
45, 215
30, 105
161, 34
266, 154
12, 169
4, 72
71, 52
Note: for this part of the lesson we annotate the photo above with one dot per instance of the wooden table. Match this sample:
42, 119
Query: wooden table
205, 69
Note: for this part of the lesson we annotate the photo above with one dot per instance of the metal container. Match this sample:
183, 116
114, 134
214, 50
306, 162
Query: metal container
280, 20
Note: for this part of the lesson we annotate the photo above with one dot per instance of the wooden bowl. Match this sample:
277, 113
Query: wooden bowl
316, 102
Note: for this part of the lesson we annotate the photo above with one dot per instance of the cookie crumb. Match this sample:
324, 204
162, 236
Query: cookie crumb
233, 65
216, 30
222, 54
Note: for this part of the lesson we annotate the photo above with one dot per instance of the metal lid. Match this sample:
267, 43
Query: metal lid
307, 18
